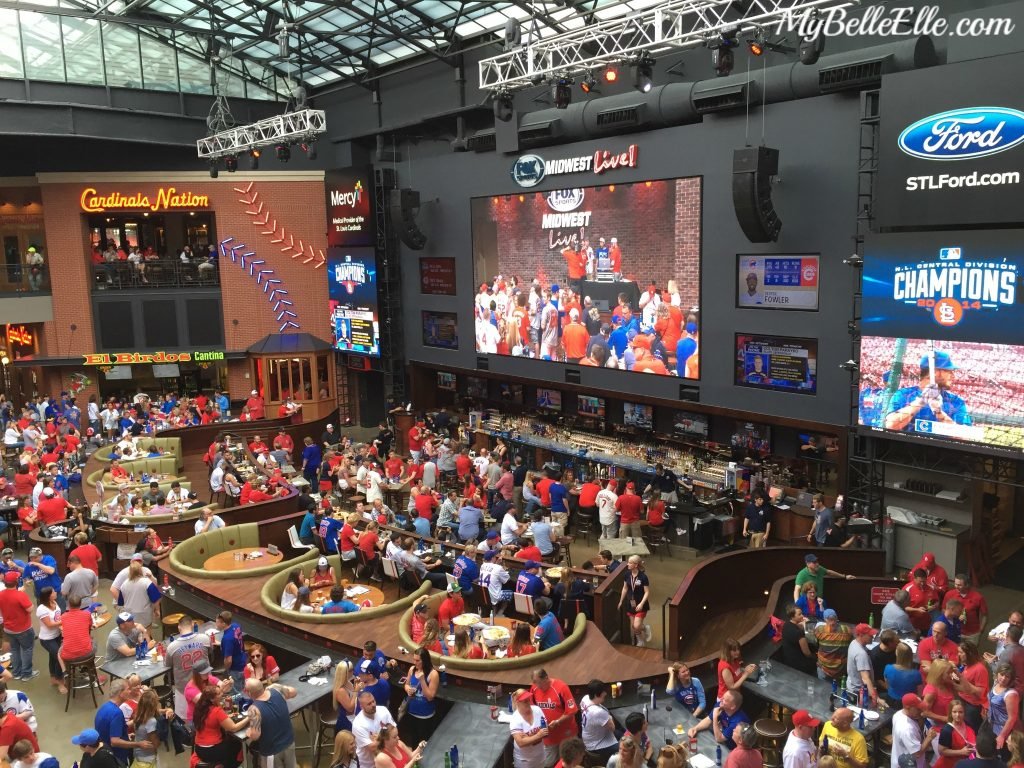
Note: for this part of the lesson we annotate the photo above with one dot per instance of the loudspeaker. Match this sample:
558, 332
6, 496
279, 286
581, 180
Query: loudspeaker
752, 171
404, 204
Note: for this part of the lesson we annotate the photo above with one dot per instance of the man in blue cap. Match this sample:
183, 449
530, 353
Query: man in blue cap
931, 399
95, 754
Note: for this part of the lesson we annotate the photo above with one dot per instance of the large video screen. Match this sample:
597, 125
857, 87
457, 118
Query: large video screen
552, 267
587, 405
638, 415
688, 424
941, 358
782, 363
549, 400
750, 438
352, 294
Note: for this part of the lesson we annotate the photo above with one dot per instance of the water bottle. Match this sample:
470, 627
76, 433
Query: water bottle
444, 678
860, 721
492, 617
718, 754
195, 626
844, 697
871, 619
543, 722
654, 700
455, 756
646, 713
824, 745
447, 760
510, 706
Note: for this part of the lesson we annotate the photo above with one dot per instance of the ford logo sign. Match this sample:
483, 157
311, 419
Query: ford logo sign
565, 200
960, 134
528, 170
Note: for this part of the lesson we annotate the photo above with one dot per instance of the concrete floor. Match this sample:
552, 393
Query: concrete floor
56, 727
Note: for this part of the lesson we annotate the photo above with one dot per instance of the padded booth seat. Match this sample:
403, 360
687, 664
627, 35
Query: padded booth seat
192, 514
536, 659
165, 465
272, 590
190, 556
141, 488
171, 445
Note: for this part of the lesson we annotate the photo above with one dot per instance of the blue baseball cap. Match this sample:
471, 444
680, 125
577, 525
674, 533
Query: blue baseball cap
368, 667
530, 565
830, 614
90, 737
943, 362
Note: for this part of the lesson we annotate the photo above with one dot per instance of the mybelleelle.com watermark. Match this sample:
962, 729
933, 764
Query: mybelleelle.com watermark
892, 21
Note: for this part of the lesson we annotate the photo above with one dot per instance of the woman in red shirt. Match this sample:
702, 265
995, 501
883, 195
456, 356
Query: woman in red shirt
731, 672
322, 575
24, 481
956, 738
215, 741
464, 647
262, 665
431, 637
522, 641
28, 516
76, 625
392, 752
974, 683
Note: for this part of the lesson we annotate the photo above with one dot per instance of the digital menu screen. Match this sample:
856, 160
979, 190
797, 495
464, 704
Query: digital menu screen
782, 363
440, 329
352, 294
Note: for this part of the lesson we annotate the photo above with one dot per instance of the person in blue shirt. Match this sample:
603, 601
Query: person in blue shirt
42, 571
309, 524
872, 399
727, 716
549, 632
368, 672
687, 689
223, 405
466, 570
630, 322
928, 401
617, 339
542, 531
311, 458
338, 603
8, 563
470, 517
372, 653
529, 583
232, 647
110, 724
559, 495
168, 405
330, 527
420, 524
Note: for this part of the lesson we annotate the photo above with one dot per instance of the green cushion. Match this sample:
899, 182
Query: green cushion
532, 660
171, 445
165, 487
191, 514
270, 596
191, 555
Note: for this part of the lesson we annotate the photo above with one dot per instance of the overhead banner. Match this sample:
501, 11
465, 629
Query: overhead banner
777, 282
952, 146
349, 196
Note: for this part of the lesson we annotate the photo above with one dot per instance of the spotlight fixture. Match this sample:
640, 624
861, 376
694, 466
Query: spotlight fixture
284, 152
561, 91
309, 148
758, 44
503, 106
231, 163
721, 45
611, 74
588, 84
850, 365
856, 260
643, 73
214, 170
254, 159
810, 49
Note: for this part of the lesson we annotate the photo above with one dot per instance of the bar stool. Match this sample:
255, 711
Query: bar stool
884, 757
82, 674
170, 623
327, 718
771, 733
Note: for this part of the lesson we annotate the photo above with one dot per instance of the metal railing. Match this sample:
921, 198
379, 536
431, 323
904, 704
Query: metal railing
161, 273
22, 278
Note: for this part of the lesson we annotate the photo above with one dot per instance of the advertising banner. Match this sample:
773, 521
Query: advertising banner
777, 282
952, 145
437, 276
352, 293
349, 196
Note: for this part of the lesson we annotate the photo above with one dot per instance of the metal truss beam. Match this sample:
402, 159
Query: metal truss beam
304, 125
672, 26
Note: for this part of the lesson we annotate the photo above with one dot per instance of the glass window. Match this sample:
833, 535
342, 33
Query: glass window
294, 389
121, 55
193, 72
306, 391
159, 64
10, 45
82, 50
273, 384
323, 377
231, 85
44, 57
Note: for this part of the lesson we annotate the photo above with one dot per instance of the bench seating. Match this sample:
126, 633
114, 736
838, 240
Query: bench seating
170, 445
536, 659
270, 596
190, 556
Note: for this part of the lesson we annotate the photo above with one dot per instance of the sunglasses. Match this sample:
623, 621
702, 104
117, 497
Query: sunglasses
257, 656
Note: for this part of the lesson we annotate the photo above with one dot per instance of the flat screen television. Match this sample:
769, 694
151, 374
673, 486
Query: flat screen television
781, 363
511, 393
638, 415
446, 381
476, 388
586, 405
687, 424
752, 439
549, 400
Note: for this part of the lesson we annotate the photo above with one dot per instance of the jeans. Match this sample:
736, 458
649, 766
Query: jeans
52, 647
22, 644
610, 531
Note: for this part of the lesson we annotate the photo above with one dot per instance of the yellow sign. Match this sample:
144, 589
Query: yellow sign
167, 198
155, 358
20, 336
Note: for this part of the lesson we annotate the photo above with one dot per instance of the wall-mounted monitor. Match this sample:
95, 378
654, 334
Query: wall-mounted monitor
476, 387
510, 393
752, 439
638, 415
688, 424
586, 405
782, 363
621, 244
549, 400
446, 381
777, 282
352, 294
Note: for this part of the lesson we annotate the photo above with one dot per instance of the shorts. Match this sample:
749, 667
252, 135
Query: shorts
636, 614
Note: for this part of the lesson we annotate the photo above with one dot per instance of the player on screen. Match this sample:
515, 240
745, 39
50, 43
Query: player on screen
752, 296
757, 375
872, 399
931, 399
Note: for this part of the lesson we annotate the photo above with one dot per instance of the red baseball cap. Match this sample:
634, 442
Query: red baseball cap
911, 700
864, 629
803, 717
525, 696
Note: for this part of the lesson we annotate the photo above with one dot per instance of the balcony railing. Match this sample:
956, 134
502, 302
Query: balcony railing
162, 273
21, 278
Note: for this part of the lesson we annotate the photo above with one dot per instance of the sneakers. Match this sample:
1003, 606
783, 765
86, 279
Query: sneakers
648, 633
30, 676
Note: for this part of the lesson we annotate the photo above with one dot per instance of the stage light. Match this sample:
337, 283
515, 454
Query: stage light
231, 163
588, 83
284, 152
643, 74
561, 91
850, 365
254, 159
721, 45
810, 50
214, 170
503, 106
611, 74
758, 44
855, 260
310, 149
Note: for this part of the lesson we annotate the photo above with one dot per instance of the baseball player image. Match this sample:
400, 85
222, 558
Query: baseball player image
931, 399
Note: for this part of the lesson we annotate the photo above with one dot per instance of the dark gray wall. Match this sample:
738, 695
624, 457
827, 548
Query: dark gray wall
816, 198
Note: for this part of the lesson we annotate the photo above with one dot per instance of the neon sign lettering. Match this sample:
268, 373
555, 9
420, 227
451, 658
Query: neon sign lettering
167, 198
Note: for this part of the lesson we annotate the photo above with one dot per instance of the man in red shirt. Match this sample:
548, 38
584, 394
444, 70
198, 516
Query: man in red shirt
426, 503
256, 405
938, 646
371, 545
922, 600
16, 608
553, 697
528, 551
937, 577
416, 434
575, 338
453, 605
463, 464
12, 730
394, 466
543, 488
201, 401
88, 554
631, 512
259, 493
257, 445
284, 442
53, 508
975, 614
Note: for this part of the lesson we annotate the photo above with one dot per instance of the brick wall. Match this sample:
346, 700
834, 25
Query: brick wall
296, 205
657, 224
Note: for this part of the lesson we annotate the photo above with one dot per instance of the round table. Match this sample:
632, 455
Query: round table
321, 595
225, 561
101, 620
499, 621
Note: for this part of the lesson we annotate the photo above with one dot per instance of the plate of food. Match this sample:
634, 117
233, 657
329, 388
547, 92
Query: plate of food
496, 633
466, 619
554, 573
